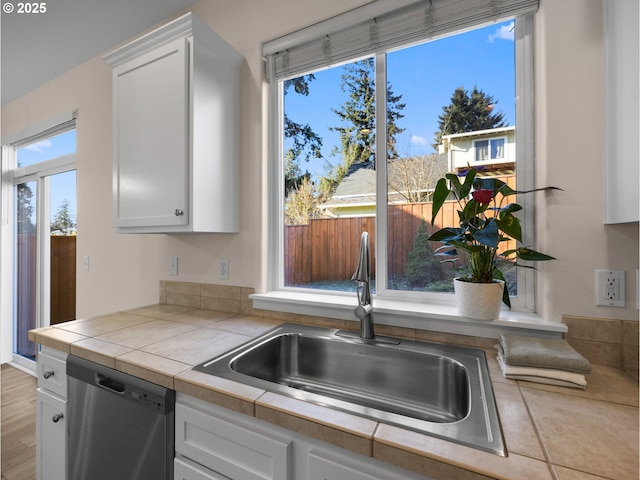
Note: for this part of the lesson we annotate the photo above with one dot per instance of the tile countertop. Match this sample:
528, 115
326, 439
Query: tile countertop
551, 432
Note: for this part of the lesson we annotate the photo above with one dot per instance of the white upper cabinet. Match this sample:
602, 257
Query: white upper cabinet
176, 104
622, 111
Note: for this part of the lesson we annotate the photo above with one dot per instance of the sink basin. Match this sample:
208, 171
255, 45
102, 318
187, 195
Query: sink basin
439, 390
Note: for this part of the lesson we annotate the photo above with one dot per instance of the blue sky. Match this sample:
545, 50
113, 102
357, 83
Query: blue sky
62, 186
426, 76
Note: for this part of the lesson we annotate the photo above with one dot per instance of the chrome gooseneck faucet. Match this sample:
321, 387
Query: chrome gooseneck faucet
362, 276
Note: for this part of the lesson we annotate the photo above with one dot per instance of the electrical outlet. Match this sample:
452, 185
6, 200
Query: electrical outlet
610, 288
173, 266
223, 269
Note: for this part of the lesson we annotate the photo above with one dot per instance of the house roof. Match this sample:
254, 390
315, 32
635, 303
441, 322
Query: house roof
358, 185
481, 133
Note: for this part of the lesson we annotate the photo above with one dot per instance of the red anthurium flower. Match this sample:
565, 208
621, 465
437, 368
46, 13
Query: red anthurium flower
482, 196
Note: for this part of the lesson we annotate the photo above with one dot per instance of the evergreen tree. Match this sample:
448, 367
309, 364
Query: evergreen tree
422, 266
62, 223
25, 209
357, 136
468, 112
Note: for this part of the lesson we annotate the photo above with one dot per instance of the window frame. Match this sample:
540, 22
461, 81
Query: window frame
13, 175
398, 302
490, 159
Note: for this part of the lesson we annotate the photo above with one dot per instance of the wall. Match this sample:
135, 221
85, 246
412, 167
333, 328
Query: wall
125, 270
569, 152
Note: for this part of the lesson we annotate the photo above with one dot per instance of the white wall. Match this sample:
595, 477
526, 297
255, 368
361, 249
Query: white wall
569, 153
125, 269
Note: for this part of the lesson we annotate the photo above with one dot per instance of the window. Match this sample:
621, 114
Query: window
343, 170
490, 150
44, 233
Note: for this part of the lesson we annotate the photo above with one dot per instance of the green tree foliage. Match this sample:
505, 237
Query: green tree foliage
306, 143
357, 113
25, 209
468, 112
62, 223
422, 266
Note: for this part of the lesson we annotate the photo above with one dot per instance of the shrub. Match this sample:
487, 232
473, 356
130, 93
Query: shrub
422, 266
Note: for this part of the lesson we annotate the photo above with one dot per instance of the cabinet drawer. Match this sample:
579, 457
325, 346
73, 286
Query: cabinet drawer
51, 436
52, 372
230, 448
184, 469
328, 465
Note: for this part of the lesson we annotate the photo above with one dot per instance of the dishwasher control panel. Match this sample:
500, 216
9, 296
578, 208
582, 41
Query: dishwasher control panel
146, 399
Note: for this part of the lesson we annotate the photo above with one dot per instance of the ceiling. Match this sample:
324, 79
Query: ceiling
38, 47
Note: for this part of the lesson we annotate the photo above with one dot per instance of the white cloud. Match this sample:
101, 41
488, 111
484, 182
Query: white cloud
504, 32
39, 147
416, 140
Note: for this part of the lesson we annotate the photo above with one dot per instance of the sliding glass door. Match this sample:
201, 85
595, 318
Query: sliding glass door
44, 239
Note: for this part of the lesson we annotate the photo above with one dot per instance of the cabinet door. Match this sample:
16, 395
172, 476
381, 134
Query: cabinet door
220, 443
184, 469
51, 436
151, 132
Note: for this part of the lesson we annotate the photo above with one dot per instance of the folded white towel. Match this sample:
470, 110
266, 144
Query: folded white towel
543, 353
547, 376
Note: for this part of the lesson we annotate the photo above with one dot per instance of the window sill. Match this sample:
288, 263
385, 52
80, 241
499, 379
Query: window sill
437, 317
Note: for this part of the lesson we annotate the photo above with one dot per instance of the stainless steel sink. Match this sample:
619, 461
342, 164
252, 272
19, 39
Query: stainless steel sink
439, 390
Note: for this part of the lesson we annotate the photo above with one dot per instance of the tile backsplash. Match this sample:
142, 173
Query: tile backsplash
602, 341
605, 341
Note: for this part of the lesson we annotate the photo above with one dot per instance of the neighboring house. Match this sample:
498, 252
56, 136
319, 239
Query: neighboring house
410, 180
493, 149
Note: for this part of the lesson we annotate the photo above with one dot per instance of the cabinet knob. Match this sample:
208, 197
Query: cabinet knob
48, 374
57, 417
179, 212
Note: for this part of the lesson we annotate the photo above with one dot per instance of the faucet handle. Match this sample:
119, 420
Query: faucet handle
361, 311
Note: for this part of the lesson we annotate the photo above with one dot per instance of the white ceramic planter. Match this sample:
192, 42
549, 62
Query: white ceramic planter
479, 301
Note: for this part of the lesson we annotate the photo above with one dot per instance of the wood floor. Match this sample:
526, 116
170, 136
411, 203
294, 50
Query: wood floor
18, 424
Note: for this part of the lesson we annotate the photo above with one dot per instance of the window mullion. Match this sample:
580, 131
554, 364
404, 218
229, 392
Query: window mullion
276, 257
43, 289
381, 174
525, 143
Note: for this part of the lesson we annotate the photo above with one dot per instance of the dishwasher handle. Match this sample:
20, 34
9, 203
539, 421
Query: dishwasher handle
109, 383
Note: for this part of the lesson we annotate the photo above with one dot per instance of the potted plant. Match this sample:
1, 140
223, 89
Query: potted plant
486, 220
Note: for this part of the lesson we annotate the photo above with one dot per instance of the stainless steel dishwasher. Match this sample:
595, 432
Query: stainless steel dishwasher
119, 426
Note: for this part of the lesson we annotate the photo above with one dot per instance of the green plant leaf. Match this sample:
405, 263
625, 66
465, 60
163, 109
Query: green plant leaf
510, 225
497, 274
525, 253
488, 235
468, 183
439, 196
472, 209
541, 189
512, 207
446, 235
505, 190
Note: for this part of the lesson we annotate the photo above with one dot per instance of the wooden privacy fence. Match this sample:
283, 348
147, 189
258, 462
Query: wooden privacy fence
63, 279
327, 248
62, 286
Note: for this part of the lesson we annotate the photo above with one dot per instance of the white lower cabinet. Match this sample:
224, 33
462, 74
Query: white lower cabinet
51, 416
184, 469
228, 446
325, 465
215, 443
